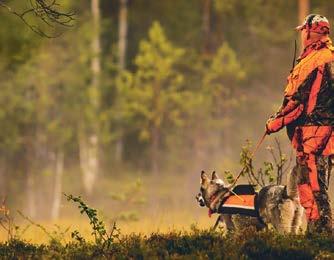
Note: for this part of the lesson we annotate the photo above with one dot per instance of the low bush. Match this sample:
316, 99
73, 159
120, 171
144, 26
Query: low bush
195, 244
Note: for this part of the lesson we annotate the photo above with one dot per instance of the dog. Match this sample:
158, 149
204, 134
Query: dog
277, 205
233, 221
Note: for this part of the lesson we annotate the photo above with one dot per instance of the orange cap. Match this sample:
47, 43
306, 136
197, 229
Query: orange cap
315, 23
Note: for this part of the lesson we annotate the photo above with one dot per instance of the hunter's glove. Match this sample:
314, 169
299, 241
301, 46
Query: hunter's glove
273, 125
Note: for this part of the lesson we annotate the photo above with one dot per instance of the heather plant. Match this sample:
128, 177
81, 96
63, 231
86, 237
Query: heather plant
7, 222
193, 244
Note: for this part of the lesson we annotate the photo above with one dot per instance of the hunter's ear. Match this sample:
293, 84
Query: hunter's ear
204, 178
214, 176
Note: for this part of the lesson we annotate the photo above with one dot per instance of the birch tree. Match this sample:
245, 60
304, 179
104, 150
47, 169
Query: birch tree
89, 130
57, 189
48, 125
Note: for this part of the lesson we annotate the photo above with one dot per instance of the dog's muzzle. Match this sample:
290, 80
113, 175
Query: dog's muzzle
200, 200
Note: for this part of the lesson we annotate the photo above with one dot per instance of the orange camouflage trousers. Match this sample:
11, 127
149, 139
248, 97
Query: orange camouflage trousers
314, 163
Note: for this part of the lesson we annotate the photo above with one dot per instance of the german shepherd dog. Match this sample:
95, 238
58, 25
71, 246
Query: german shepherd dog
278, 205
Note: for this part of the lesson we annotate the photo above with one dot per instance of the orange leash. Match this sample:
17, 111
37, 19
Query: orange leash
258, 145
251, 157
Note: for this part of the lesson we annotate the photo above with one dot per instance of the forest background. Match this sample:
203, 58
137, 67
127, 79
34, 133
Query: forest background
128, 105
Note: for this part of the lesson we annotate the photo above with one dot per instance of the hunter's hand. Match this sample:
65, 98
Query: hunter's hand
270, 126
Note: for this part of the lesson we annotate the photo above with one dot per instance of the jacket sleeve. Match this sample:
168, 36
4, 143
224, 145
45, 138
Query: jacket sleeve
292, 106
287, 114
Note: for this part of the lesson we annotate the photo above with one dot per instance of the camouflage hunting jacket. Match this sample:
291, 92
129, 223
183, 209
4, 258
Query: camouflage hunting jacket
308, 103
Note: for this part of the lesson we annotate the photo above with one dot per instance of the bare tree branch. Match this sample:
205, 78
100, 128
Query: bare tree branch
46, 11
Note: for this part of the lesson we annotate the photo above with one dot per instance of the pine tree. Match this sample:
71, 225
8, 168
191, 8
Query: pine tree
222, 80
154, 93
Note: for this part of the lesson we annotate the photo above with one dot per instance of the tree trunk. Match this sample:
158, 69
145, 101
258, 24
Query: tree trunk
155, 149
199, 142
88, 151
156, 129
122, 33
30, 178
59, 169
3, 180
30, 191
96, 50
303, 11
122, 45
89, 143
206, 26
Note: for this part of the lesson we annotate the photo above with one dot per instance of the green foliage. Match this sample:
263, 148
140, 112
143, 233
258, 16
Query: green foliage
222, 79
261, 177
103, 238
153, 95
130, 215
269, 173
197, 244
129, 198
225, 6
131, 194
173, 105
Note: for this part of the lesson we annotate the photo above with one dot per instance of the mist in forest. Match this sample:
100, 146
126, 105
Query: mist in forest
127, 105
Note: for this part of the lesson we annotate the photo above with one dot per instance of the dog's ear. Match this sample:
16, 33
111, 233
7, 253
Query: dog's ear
204, 178
214, 176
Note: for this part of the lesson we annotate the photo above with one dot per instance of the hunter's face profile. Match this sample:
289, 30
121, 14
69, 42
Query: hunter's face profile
309, 36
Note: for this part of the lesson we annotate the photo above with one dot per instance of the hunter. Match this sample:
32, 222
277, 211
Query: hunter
308, 113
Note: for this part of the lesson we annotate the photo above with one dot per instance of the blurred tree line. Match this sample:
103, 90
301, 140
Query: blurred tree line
137, 85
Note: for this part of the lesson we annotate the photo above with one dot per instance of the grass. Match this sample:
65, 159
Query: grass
162, 231
194, 244
155, 238
159, 223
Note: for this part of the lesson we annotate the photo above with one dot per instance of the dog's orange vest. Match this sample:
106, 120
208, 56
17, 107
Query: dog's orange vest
243, 202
